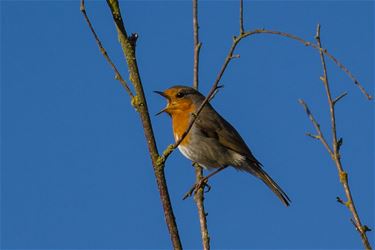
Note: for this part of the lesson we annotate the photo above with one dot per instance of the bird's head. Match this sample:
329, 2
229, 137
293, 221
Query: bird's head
181, 99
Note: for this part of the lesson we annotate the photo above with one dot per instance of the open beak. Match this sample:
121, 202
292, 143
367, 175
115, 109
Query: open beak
162, 111
161, 93
165, 96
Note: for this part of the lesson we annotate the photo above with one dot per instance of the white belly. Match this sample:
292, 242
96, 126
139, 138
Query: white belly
190, 155
186, 152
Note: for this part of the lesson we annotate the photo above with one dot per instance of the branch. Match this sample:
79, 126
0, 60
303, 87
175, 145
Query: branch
197, 44
340, 97
336, 144
199, 200
199, 195
320, 135
104, 52
242, 30
315, 46
139, 101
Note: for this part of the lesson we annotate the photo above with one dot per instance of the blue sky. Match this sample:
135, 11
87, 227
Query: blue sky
75, 172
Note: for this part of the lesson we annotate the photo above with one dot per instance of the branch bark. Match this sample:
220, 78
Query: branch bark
334, 150
128, 44
199, 195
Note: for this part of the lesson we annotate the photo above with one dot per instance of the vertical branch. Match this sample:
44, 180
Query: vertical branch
199, 200
197, 45
199, 195
139, 101
324, 79
334, 151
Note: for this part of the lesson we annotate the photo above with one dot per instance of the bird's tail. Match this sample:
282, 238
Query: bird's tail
255, 168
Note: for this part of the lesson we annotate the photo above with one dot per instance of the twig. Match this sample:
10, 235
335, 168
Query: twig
216, 91
197, 44
242, 30
128, 47
339, 97
335, 152
104, 52
199, 195
315, 46
320, 135
199, 200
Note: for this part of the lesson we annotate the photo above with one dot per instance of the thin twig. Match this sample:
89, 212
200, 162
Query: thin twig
335, 153
242, 29
104, 52
340, 97
197, 44
320, 135
139, 101
315, 46
199, 195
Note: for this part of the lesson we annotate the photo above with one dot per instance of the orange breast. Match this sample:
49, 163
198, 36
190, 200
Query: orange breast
180, 122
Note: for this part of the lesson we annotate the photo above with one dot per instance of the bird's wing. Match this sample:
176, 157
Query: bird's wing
213, 125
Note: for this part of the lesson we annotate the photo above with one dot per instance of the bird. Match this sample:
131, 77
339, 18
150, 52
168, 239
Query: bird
212, 142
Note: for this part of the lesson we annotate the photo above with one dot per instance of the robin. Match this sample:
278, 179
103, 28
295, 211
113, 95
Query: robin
212, 142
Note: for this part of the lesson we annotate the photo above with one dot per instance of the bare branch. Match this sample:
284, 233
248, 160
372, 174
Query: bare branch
340, 97
317, 137
315, 46
336, 144
197, 44
199, 200
339, 200
235, 56
139, 101
104, 52
316, 126
216, 91
199, 195
242, 30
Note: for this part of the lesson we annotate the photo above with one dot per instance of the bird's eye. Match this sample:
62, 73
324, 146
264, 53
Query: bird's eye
180, 95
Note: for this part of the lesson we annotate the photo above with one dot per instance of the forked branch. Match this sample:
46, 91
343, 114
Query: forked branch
334, 149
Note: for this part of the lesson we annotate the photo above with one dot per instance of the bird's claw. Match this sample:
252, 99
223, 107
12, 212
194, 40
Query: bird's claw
203, 183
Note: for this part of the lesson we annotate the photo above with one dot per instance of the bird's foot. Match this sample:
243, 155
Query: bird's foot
203, 183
